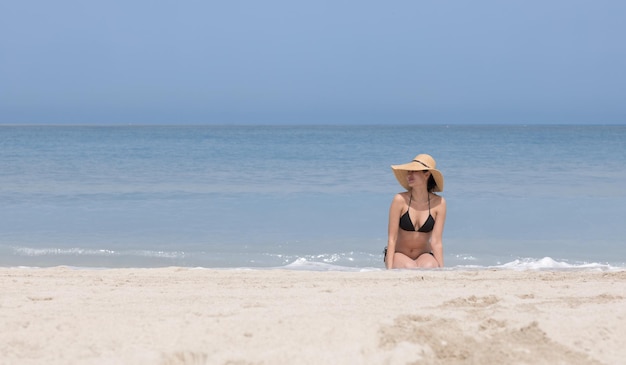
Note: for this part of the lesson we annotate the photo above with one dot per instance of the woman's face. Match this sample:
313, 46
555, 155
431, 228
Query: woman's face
417, 178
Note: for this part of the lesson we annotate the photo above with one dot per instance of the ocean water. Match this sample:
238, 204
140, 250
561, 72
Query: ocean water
311, 197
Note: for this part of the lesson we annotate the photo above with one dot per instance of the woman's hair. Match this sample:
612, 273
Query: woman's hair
431, 184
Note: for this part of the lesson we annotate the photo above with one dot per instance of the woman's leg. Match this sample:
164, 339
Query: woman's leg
426, 260
402, 261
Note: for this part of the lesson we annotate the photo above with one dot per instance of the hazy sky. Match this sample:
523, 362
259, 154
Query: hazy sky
277, 62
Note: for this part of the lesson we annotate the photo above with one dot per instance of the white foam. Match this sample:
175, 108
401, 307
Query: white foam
75, 251
548, 263
306, 265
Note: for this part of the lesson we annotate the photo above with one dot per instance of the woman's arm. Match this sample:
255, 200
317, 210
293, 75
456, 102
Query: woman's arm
392, 229
436, 240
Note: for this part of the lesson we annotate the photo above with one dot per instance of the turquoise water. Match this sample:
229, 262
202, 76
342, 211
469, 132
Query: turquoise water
270, 196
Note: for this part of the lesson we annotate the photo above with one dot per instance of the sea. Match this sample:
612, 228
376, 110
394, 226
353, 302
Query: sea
307, 197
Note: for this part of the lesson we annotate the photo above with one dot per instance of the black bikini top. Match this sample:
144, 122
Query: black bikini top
407, 225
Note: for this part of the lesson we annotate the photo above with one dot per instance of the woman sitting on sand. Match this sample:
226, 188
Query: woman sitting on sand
416, 217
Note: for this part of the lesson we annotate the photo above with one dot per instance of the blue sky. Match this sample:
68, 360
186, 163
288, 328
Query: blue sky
324, 62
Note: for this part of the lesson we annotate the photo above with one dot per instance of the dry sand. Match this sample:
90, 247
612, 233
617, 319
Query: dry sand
195, 316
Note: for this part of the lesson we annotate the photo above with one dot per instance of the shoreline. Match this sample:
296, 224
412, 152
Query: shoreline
546, 264
180, 315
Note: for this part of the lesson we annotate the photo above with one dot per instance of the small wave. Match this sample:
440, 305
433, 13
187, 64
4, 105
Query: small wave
306, 265
340, 258
548, 263
466, 257
75, 251
545, 263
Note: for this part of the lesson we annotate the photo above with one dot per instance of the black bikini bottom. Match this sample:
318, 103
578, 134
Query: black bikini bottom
385, 254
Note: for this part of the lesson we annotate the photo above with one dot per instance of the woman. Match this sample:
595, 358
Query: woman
416, 217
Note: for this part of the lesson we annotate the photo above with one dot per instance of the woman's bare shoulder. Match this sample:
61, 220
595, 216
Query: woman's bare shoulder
399, 200
401, 197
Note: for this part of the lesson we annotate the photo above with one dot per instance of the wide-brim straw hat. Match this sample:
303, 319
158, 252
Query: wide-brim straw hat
420, 163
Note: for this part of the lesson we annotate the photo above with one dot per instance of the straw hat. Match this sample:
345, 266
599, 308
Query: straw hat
420, 163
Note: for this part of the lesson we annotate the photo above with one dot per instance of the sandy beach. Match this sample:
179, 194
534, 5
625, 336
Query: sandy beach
199, 316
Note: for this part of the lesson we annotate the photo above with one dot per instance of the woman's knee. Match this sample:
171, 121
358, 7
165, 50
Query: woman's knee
402, 261
427, 261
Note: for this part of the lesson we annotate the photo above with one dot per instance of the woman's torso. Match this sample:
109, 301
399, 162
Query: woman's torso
415, 228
